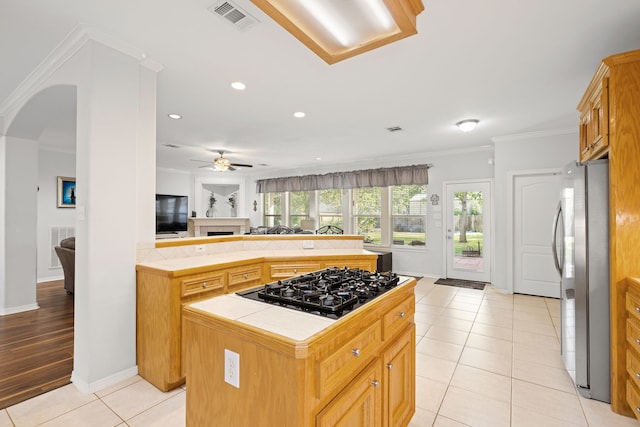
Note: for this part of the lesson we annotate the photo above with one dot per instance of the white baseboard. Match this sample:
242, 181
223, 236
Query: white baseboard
49, 279
103, 383
19, 309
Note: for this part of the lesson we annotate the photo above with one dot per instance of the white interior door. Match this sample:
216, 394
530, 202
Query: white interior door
535, 198
468, 237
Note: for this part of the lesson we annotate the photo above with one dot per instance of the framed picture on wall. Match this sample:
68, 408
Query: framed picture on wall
66, 192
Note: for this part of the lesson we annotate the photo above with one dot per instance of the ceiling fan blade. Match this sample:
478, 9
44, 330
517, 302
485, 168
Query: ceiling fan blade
241, 165
198, 160
231, 168
206, 166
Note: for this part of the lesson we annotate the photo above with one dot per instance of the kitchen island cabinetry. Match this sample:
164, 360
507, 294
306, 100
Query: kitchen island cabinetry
164, 286
298, 369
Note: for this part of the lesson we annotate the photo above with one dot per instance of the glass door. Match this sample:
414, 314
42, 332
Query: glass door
468, 233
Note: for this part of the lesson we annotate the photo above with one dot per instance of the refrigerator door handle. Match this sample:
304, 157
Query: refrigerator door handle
554, 238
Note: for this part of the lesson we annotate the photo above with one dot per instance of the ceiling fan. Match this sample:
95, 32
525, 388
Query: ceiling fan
222, 164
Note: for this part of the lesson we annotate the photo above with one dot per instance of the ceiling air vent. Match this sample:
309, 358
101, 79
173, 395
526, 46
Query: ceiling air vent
233, 14
171, 145
394, 128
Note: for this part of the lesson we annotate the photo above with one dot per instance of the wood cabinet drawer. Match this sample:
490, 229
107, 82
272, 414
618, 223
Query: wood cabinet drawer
283, 271
203, 284
633, 367
245, 277
633, 399
349, 358
633, 334
398, 317
633, 305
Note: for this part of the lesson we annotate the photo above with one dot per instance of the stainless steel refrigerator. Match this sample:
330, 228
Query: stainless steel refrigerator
581, 254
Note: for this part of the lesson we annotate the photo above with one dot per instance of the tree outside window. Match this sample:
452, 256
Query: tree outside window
298, 207
272, 209
330, 208
367, 213
409, 214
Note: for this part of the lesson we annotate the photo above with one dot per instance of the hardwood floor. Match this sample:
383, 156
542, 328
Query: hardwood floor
36, 347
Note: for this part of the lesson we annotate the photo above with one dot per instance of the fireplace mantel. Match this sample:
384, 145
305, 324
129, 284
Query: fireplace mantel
199, 227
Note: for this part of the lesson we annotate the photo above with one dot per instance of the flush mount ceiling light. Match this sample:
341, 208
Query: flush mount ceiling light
238, 86
467, 125
174, 116
337, 29
299, 114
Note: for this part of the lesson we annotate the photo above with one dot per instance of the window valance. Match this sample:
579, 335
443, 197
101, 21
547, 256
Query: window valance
383, 177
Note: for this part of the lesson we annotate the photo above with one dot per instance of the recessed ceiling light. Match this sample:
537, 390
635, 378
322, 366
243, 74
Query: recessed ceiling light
467, 125
175, 116
238, 86
299, 114
318, 158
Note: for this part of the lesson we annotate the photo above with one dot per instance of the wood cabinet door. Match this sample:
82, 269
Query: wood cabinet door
359, 404
399, 381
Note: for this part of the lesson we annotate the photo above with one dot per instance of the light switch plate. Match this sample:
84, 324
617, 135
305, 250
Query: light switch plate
232, 368
307, 244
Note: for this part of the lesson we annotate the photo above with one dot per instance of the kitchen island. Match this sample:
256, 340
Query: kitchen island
250, 363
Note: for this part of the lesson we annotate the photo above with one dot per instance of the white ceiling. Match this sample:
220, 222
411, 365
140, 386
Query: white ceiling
516, 66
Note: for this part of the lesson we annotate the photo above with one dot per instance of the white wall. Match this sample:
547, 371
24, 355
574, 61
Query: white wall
51, 164
540, 150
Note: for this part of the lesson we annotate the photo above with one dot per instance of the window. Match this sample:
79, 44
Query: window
366, 213
298, 207
272, 209
330, 208
409, 214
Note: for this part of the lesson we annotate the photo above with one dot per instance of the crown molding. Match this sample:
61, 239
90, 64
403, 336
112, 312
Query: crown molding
534, 135
65, 50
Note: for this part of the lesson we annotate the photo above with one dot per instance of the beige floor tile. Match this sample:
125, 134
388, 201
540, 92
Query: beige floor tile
434, 368
483, 382
440, 349
493, 345
537, 315
500, 313
421, 328
497, 304
447, 422
475, 409
544, 400
492, 362
429, 394
530, 338
424, 317
422, 418
118, 386
136, 398
600, 414
426, 308
534, 327
538, 354
467, 299
49, 405
453, 323
171, 412
5, 421
96, 411
458, 314
528, 300
473, 308
543, 375
522, 417
492, 331
449, 335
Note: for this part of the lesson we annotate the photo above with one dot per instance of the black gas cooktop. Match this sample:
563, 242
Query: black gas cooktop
332, 292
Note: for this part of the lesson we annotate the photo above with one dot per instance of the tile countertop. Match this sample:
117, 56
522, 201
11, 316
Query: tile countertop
289, 323
176, 264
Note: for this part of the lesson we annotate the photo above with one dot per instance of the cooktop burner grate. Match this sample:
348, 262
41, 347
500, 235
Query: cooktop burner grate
331, 292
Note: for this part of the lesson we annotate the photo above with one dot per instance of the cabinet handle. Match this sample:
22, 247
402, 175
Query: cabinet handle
246, 275
376, 383
389, 366
356, 352
401, 315
638, 375
637, 341
637, 309
637, 409
295, 270
204, 284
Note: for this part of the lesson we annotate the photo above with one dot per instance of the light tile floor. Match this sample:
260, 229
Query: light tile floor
482, 359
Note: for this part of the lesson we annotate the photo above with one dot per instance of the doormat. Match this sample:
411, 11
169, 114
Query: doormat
468, 284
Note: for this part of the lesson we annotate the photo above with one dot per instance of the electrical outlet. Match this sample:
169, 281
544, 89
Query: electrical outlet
307, 244
232, 368
199, 248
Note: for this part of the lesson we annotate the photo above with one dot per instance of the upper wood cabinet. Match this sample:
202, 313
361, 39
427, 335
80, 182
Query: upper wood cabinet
594, 117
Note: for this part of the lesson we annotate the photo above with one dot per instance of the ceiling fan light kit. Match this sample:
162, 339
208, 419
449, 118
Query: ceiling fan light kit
222, 164
337, 29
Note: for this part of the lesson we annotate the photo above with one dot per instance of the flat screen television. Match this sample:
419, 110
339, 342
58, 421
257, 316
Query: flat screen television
171, 213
